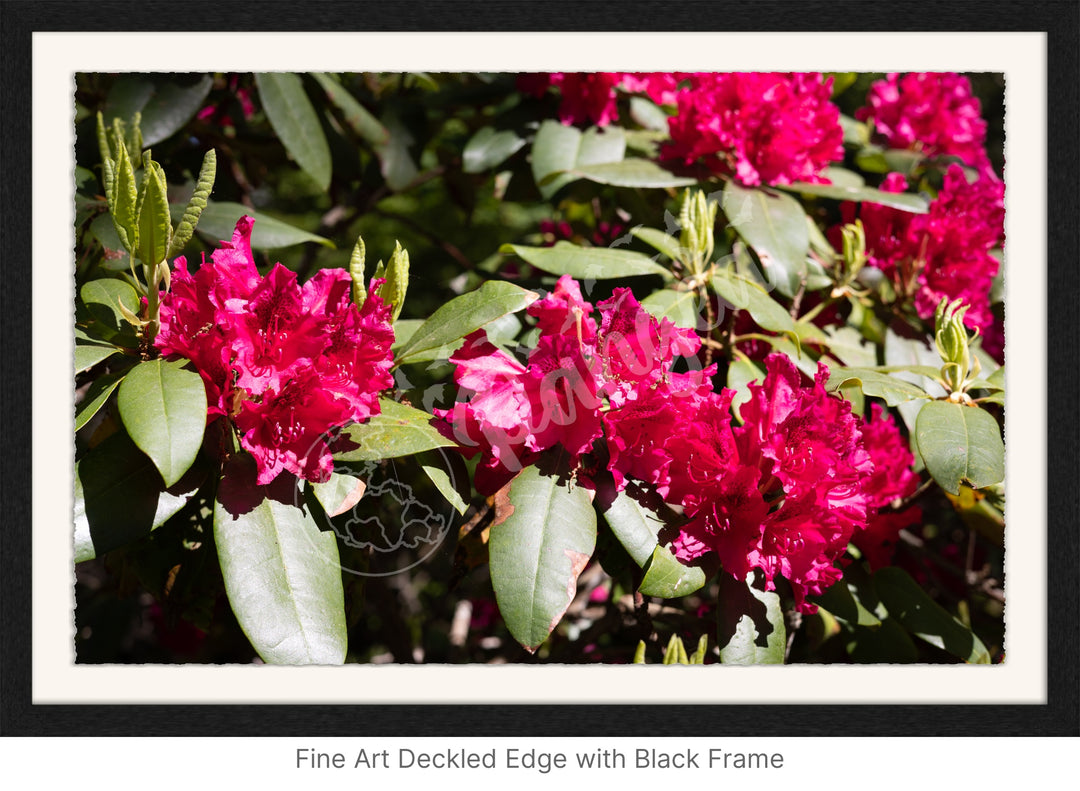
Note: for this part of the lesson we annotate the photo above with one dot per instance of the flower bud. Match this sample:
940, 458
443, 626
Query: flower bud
698, 221
951, 339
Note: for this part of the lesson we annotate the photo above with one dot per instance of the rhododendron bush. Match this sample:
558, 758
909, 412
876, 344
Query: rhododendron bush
622, 367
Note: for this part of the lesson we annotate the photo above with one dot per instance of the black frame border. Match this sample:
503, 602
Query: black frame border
1060, 716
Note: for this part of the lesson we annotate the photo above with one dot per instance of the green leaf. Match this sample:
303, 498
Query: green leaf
631, 172
648, 114
442, 482
741, 372
774, 224
750, 624
745, 294
681, 307
634, 526
87, 355
537, 553
196, 205
96, 396
888, 643
102, 298
488, 148
841, 602
163, 408
667, 578
465, 314
218, 220
395, 162
558, 149
339, 494
397, 430
397, 281
155, 226
960, 444
296, 123
664, 242
587, 263
848, 346
850, 187
917, 612
123, 201
171, 106
363, 123
283, 580
119, 498
874, 383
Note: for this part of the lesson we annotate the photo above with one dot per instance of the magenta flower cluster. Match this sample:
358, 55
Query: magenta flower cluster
784, 492
285, 364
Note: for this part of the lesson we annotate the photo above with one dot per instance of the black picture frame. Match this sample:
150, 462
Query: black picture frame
1060, 21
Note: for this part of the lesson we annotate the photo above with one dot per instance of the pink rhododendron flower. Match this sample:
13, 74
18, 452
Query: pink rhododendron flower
934, 113
943, 253
759, 128
285, 363
591, 98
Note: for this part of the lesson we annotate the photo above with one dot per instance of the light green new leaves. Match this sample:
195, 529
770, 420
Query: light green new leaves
163, 408
396, 274
155, 226
774, 224
283, 580
294, 120
462, 315
587, 263
195, 206
538, 552
960, 444
398, 430
123, 200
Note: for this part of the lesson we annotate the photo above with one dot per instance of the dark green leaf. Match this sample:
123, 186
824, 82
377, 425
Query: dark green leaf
295, 122
465, 314
395, 161
634, 526
171, 106
163, 408
101, 298
774, 224
363, 123
119, 498
840, 601
888, 643
537, 553
489, 148
960, 444
750, 624
96, 396
632, 172
851, 187
87, 355
587, 263
667, 578
917, 612
283, 580
218, 220
397, 430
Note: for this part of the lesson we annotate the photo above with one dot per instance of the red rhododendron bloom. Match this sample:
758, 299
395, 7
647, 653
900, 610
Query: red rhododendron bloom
944, 253
285, 363
590, 98
759, 128
934, 113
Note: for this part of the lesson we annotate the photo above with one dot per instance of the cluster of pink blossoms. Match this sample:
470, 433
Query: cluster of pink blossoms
935, 113
759, 128
285, 363
784, 492
944, 253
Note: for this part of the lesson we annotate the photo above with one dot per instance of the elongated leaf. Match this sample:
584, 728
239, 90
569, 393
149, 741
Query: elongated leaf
96, 396
442, 482
488, 148
102, 298
631, 173
587, 263
339, 494
741, 372
363, 123
296, 123
171, 106
667, 578
87, 355
558, 149
195, 206
218, 220
750, 624
664, 242
163, 408
634, 526
395, 161
462, 315
900, 351
398, 430
774, 224
119, 498
123, 201
840, 601
917, 612
537, 553
850, 187
283, 580
680, 307
745, 294
960, 444
874, 383
648, 114
155, 226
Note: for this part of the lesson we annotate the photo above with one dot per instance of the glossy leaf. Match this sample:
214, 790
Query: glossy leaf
634, 526
632, 172
839, 600
96, 396
875, 383
283, 580
849, 186
537, 553
960, 444
163, 408
171, 106
681, 307
462, 315
294, 120
667, 578
102, 298
587, 263
489, 148
917, 612
87, 355
218, 220
745, 294
119, 498
362, 122
558, 149
774, 224
398, 430
339, 494
750, 625
442, 482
